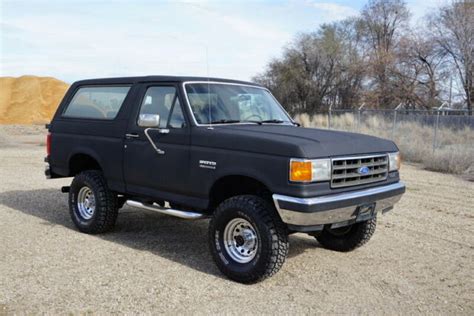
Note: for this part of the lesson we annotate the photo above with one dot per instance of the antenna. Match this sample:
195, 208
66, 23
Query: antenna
208, 89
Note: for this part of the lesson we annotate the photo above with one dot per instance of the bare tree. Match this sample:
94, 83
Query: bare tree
383, 22
375, 58
351, 65
424, 53
453, 28
317, 70
419, 69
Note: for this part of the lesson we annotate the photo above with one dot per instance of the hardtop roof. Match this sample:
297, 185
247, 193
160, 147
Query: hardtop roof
132, 80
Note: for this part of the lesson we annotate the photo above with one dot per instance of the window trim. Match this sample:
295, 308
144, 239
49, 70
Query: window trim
230, 84
173, 105
178, 98
129, 86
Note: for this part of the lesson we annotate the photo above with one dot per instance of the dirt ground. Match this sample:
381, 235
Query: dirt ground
420, 260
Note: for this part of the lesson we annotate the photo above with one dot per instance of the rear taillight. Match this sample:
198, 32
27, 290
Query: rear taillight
48, 144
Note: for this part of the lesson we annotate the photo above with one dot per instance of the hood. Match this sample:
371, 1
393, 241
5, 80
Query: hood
291, 141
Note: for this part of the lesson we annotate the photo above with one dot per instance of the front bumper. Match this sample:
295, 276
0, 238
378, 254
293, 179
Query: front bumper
311, 214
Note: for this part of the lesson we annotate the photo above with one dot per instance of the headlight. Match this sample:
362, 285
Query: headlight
394, 161
302, 170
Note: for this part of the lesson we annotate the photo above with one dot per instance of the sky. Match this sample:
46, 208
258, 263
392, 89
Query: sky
73, 40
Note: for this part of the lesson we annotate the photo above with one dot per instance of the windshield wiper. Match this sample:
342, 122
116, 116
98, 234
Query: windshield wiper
272, 121
225, 121
234, 121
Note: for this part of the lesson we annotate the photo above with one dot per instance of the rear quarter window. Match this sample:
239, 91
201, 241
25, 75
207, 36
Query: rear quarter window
102, 103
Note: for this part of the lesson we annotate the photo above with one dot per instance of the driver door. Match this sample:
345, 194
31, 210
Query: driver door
156, 160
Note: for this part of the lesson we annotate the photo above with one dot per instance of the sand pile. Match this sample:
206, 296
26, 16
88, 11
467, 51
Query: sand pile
29, 99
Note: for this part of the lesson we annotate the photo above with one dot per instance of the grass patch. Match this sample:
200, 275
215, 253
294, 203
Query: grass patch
454, 149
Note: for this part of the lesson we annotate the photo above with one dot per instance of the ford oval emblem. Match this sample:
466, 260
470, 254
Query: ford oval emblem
363, 170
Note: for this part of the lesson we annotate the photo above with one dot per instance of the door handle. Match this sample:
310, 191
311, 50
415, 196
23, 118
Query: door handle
132, 135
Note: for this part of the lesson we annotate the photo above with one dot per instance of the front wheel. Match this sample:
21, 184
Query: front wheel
248, 241
347, 238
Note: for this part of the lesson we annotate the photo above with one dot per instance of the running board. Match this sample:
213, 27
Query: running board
167, 211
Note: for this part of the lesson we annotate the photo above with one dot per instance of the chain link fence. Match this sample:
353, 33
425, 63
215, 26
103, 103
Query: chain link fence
439, 121
442, 140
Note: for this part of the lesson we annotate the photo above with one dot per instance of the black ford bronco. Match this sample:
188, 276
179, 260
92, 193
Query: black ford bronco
203, 147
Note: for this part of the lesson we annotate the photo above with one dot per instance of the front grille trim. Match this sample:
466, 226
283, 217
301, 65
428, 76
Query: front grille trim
344, 170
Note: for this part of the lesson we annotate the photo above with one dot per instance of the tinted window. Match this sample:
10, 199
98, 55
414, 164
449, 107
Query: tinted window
163, 101
96, 102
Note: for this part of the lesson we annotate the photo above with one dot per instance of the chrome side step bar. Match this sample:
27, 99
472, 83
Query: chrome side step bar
167, 211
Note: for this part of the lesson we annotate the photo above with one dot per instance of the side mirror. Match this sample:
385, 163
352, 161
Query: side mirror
149, 120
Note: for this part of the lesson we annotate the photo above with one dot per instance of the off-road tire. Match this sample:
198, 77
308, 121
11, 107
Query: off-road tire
357, 235
272, 238
106, 203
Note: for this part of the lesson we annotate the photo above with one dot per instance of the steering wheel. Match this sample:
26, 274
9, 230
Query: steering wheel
253, 115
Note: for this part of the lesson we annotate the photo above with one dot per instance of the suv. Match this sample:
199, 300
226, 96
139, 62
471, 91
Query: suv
204, 147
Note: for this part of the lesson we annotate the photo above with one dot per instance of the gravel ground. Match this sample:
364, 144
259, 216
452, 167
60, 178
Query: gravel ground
421, 258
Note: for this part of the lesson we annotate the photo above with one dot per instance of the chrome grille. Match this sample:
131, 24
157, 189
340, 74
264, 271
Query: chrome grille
345, 171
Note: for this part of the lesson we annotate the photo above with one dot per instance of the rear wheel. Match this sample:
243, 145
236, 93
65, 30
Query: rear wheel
92, 206
247, 239
347, 238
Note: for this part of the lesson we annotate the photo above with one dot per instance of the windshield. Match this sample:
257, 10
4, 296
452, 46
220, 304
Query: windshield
213, 103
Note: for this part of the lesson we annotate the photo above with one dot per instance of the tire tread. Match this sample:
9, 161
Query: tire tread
278, 231
359, 235
106, 202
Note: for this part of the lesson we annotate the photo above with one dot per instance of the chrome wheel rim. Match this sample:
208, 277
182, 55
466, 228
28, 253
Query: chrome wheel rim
240, 240
86, 203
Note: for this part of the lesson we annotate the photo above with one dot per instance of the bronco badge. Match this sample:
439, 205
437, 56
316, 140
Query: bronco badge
207, 164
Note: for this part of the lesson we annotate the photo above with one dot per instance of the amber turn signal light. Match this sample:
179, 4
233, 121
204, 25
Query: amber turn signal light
301, 171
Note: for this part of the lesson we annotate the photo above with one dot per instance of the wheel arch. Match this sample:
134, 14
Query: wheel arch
82, 160
230, 185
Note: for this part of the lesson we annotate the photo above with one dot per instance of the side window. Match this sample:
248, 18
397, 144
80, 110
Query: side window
96, 102
164, 102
